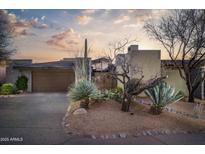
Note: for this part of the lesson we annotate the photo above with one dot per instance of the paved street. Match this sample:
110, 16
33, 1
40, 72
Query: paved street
178, 139
36, 119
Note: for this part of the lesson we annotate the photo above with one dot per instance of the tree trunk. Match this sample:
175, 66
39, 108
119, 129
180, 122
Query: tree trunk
125, 107
191, 94
191, 98
126, 103
190, 88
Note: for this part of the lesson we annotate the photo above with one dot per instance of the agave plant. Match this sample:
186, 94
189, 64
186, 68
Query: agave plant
83, 91
161, 95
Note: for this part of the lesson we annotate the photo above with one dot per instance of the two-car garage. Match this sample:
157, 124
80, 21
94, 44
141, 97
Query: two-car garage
54, 76
52, 80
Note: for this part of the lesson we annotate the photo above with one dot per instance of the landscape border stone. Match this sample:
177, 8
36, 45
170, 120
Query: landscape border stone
169, 109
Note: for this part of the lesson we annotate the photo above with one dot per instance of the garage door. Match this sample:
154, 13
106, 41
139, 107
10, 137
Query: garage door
52, 80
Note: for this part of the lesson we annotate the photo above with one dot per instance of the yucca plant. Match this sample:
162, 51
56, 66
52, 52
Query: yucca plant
83, 91
161, 95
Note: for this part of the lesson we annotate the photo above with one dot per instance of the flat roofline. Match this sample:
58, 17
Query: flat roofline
43, 68
146, 50
21, 59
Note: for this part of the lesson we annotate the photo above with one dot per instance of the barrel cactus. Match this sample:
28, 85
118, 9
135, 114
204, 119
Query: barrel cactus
161, 95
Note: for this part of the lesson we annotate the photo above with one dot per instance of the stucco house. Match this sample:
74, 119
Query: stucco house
57, 76
175, 80
54, 76
149, 61
100, 64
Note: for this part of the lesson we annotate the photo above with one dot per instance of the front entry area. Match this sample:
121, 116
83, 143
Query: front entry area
52, 80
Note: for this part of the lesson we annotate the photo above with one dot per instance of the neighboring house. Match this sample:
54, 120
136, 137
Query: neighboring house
56, 76
100, 64
100, 74
150, 63
175, 79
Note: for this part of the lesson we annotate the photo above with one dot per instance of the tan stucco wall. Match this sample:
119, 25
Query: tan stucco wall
175, 80
148, 60
2, 74
13, 74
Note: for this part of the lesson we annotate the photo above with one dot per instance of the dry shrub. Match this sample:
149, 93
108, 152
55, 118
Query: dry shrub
73, 106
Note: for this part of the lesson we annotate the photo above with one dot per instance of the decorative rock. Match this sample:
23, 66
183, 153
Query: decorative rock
106, 136
123, 135
114, 136
93, 136
80, 111
144, 133
167, 131
161, 132
149, 133
67, 125
102, 137
154, 133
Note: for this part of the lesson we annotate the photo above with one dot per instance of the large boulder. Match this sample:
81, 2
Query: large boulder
80, 111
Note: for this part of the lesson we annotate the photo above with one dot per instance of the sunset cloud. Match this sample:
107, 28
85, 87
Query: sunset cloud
43, 17
89, 11
83, 20
131, 26
21, 26
68, 40
122, 19
55, 37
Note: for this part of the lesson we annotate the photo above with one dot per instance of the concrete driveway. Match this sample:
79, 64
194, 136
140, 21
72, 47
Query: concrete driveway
33, 118
36, 119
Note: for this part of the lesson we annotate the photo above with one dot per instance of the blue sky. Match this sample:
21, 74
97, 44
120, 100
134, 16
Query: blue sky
45, 35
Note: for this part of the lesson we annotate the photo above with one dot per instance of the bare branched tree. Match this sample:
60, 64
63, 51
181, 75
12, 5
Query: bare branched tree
182, 34
6, 30
122, 70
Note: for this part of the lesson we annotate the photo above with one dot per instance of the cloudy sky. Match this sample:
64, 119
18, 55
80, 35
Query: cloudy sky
45, 35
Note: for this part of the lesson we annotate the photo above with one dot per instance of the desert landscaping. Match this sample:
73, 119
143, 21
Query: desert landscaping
105, 119
123, 89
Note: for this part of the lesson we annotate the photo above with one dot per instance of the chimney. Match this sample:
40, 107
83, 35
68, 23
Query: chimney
133, 48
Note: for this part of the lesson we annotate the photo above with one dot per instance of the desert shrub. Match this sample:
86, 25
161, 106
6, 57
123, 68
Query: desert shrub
161, 95
22, 83
7, 89
117, 90
116, 94
98, 95
84, 90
